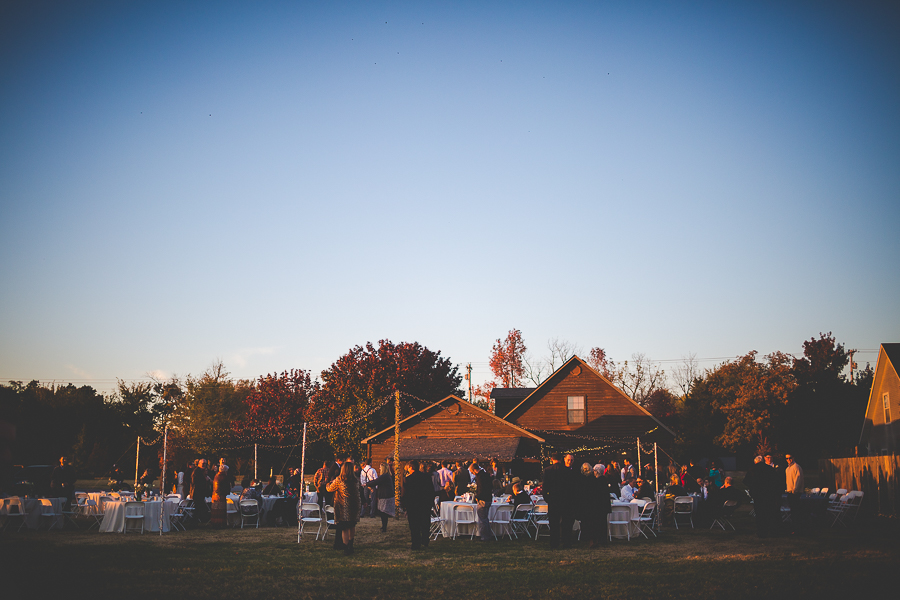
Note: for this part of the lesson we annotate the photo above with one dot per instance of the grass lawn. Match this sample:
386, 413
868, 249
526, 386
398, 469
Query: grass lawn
268, 562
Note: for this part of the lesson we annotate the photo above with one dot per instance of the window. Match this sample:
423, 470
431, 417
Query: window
885, 399
576, 410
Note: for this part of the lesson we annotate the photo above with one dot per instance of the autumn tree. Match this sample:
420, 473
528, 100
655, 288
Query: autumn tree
277, 405
602, 363
508, 360
357, 389
639, 378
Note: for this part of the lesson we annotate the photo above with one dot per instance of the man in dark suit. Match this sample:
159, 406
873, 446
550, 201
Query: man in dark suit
762, 481
201, 488
461, 479
559, 492
62, 481
417, 498
484, 497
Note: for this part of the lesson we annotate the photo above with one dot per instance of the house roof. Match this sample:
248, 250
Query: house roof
511, 393
451, 398
556, 374
503, 449
892, 353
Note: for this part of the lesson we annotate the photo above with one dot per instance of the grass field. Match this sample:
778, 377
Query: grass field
268, 563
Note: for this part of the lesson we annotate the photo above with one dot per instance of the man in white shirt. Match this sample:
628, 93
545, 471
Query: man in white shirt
366, 474
628, 490
445, 474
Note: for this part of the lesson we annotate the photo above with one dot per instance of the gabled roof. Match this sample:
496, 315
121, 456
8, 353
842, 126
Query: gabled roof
451, 398
549, 382
892, 353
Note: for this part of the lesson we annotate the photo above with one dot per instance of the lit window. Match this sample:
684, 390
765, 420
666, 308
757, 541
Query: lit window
576, 410
887, 408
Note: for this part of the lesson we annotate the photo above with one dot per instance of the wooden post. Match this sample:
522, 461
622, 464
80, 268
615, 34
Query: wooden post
162, 480
137, 460
639, 456
397, 454
303, 463
255, 461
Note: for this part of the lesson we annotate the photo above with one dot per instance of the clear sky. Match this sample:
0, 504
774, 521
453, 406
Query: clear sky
272, 185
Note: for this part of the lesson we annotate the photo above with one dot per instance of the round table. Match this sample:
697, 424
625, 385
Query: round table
114, 519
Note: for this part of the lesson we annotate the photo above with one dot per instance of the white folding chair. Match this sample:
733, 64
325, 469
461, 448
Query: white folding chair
134, 512
647, 519
723, 518
329, 522
313, 515
620, 516
231, 512
15, 509
249, 511
177, 517
49, 513
463, 515
521, 518
540, 517
683, 507
437, 522
503, 519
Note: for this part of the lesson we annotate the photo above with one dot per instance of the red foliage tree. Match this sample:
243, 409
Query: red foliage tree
278, 404
508, 360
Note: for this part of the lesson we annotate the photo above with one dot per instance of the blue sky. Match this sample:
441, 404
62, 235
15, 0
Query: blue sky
181, 182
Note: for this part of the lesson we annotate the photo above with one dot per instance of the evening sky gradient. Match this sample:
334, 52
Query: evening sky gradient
272, 185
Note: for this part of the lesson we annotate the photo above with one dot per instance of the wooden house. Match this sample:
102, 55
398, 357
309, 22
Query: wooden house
578, 403
453, 429
881, 430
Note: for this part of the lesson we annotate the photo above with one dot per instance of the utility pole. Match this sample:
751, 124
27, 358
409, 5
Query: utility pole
469, 379
852, 365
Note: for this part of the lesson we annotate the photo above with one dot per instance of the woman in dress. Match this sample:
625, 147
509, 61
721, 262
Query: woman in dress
221, 488
715, 474
384, 494
345, 488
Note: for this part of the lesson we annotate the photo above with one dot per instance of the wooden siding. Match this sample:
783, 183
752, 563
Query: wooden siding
607, 411
879, 437
449, 419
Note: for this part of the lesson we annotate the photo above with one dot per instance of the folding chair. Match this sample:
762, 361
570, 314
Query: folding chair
15, 508
503, 518
49, 512
647, 518
313, 515
329, 521
521, 519
785, 509
464, 515
683, 507
249, 510
620, 515
752, 507
177, 517
437, 522
540, 518
231, 511
134, 511
75, 510
722, 519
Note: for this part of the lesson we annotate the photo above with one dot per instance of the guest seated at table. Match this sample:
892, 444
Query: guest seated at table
674, 488
643, 489
251, 492
692, 486
519, 496
729, 492
627, 492
496, 488
272, 489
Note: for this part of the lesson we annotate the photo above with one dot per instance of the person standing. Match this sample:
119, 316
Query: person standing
417, 498
558, 491
461, 479
383, 497
760, 481
793, 476
201, 488
320, 480
367, 474
484, 497
62, 481
345, 488
220, 491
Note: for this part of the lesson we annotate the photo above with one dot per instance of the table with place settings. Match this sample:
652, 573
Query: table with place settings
114, 519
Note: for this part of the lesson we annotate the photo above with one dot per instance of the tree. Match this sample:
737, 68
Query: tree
205, 412
508, 360
686, 374
640, 378
825, 411
662, 404
278, 404
356, 398
602, 363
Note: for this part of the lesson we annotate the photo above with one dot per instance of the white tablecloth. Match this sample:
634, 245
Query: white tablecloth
634, 512
448, 514
114, 520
